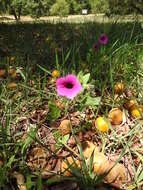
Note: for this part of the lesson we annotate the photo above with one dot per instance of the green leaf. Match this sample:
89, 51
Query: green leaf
76, 171
139, 174
60, 140
64, 139
85, 78
10, 161
93, 101
91, 162
131, 187
29, 182
21, 73
140, 178
139, 156
84, 164
2, 175
54, 180
39, 182
57, 62
43, 69
64, 60
80, 75
30, 138
54, 112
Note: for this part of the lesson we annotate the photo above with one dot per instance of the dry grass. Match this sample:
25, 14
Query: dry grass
74, 18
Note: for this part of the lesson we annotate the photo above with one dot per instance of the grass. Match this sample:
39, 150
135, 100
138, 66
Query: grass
32, 147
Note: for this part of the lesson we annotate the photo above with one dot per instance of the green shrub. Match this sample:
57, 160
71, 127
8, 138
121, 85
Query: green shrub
60, 7
38, 8
98, 6
125, 6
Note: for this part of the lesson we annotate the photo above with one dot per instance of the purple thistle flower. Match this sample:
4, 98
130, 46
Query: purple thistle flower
68, 86
103, 39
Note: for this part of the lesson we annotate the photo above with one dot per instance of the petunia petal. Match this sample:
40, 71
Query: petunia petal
62, 88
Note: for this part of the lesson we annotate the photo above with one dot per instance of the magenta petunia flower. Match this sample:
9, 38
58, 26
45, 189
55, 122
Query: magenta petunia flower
103, 39
96, 46
68, 86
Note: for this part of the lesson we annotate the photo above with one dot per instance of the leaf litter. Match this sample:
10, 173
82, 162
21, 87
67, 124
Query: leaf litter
51, 152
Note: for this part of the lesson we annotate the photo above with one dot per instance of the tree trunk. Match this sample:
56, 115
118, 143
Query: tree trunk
19, 13
13, 12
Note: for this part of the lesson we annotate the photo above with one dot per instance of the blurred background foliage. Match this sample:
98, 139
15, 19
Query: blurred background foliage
38, 43
38, 8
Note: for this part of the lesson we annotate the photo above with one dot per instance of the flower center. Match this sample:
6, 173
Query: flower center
103, 38
68, 85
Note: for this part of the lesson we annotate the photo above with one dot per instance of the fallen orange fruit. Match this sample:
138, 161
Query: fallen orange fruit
115, 116
101, 124
129, 104
119, 87
55, 73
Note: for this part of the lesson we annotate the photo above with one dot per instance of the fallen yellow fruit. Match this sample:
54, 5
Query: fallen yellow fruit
136, 111
115, 116
119, 87
55, 73
101, 124
11, 71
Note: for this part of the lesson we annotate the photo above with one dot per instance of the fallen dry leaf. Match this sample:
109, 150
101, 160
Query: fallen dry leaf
72, 141
60, 104
117, 175
20, 180
38, 158
65, 127
100, 163
88, 148
11, 85
1, 162
67, 163
47, 170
